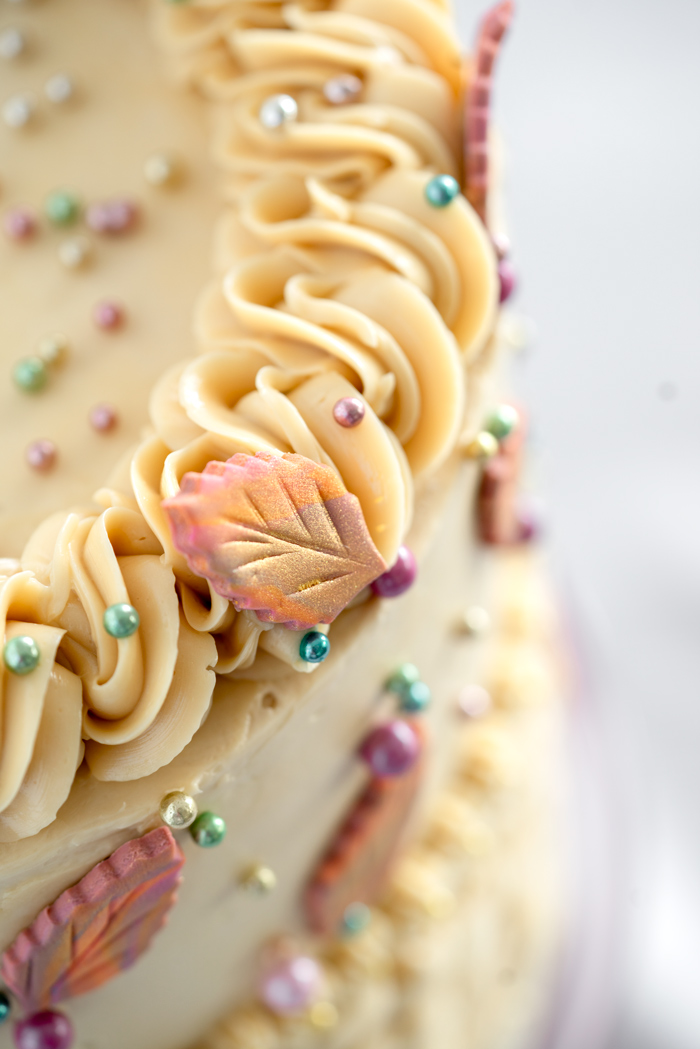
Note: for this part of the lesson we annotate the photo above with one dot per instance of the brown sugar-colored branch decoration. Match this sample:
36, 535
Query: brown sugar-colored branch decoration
476, 123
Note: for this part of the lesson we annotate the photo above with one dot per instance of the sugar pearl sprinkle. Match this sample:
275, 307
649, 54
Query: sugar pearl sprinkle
483, 446
121, 620
277, 111
17, 111
259, 880
12, 43
19, 223
30, 374
21, 655
160, 169
289, 987
474, 701
112, 216
349, 411
208, 830
103, 418
59, 88
108, 315
342, 89
53, 349
476, 620
391, 749
75, 253
41, 455
178, 810
47, 1029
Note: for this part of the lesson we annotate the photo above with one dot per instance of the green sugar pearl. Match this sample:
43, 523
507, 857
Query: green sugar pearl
62, 208
416, 698
502, 421
121, 620
314, 647
5, 1006
441, 191
402, 678
21, 655
356, 918
208, 830
30, 374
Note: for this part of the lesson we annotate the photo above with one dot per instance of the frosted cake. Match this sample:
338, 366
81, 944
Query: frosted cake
280, 735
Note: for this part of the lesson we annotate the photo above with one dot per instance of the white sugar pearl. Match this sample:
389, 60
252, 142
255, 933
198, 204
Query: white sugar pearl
161, 170
59, 88
278, 110
12, 43
74, 253
17, 111
342, 89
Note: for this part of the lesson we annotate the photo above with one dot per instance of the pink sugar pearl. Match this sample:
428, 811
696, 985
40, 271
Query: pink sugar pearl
47, 1029
290, 986
349, 411
473, 701
112, 216
108, 315
399, 577
19, 223
391, 749
41, 455
103, 417
506, 275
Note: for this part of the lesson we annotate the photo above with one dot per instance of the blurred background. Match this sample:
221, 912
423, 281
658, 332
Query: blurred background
598, 104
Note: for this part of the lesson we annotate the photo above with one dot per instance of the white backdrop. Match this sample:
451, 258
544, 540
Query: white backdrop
598, 102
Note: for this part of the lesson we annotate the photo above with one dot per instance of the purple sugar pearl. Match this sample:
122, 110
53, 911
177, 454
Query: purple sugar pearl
112, 216
103, 417
349, 411
47, 1029
41, 455
506, 275
527, 527
108, 315
19, 223
290, 985
391, 749
399, 577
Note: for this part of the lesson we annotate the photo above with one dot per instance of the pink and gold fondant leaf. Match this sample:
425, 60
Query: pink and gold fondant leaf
97, 928
278, 534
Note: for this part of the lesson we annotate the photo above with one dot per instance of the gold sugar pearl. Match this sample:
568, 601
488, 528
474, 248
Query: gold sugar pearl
178, 810
74, 253
161, 169
483, 446
53, 349
259, 880
475, 621
323, 1016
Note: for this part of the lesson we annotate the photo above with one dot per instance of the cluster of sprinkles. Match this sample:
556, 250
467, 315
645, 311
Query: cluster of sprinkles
63, 210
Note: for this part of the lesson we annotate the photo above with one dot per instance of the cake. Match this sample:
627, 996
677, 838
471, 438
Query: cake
281, 720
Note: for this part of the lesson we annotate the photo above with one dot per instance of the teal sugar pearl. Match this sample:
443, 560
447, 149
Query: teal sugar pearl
61, 208
21, 655
441, 191
5, 1006
208, 830
30, 374
416, 698
121, 620
402, 678
357, 917
502, 421
314, 647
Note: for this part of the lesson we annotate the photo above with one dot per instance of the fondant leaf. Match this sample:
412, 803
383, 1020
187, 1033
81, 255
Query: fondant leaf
357, 865
476, 119
279, 534
97, 928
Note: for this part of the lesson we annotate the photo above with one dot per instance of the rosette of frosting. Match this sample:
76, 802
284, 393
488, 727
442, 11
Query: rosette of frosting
144, 695
40, 715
